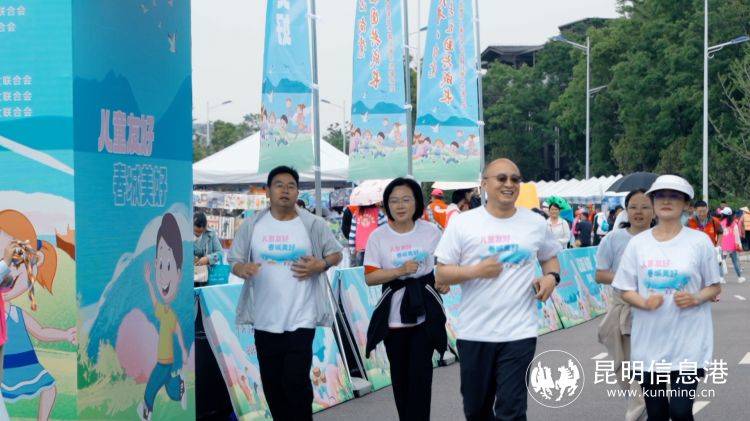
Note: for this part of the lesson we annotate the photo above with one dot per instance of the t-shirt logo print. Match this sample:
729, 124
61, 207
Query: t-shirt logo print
279, 249
556, 379
501, 247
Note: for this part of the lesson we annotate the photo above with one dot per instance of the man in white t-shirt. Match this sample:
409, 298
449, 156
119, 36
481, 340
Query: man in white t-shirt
282, 253
491, 252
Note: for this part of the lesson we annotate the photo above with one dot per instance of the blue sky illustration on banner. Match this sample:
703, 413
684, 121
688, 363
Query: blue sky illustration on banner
378, 137
286, 108
446, 137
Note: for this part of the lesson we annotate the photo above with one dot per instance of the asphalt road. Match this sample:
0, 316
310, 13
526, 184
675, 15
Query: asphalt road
730, 401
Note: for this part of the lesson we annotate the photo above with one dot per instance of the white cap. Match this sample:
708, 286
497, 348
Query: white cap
672, 182
726, 211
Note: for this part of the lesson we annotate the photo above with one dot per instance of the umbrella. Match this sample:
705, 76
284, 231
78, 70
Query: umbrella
566, 212
634, 181
368, 193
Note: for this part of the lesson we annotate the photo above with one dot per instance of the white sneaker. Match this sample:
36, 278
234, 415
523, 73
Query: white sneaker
143, 413
741, 279
183, 398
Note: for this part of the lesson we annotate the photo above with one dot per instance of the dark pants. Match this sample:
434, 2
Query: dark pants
746, 241
285, 360
679, 406
410, 355
493, 378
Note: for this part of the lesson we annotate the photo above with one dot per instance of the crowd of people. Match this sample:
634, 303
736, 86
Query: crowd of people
665, 273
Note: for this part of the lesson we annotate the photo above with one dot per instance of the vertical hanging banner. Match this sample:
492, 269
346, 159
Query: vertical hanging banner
378, 137
132, 89
286, 108
446, 138
37, 205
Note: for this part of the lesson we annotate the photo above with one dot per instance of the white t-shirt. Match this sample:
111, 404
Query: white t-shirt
388, 249
501, 309
670, 334
561, 231
282, 302
610, 250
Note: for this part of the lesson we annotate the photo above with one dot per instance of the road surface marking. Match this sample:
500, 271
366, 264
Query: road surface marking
698, 405
599, 356
746, 359
739, 297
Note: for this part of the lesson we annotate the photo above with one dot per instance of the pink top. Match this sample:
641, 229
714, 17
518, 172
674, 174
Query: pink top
729, 239
4, 270
367, 222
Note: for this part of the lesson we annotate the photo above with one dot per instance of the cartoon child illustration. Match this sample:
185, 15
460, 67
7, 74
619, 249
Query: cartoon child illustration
289, 108
354, 142
427, 148
396, 134
283, 134
299, 119
451, 155
437, 150
419, 149
366, 143
471, 145
319, 383
168, 265
379, 148
271, 128
24, 377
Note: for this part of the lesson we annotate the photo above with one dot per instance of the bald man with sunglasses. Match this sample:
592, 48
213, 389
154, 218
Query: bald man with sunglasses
491, 252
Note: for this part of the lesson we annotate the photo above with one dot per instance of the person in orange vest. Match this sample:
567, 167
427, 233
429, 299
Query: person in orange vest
436, 210
702, 221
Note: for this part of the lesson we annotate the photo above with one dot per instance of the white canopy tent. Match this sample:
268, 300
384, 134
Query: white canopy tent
576, 191
239, 164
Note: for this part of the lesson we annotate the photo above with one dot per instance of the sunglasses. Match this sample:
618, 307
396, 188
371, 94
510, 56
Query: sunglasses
503, 178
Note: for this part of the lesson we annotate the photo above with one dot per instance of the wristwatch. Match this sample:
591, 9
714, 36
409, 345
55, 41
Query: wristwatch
556, 275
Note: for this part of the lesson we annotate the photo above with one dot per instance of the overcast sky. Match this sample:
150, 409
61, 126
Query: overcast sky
228, 36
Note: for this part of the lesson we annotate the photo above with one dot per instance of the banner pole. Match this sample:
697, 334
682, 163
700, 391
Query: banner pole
316, 109
480, 116
407, 77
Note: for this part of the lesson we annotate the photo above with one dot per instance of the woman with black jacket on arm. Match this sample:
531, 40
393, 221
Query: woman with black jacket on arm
409, 317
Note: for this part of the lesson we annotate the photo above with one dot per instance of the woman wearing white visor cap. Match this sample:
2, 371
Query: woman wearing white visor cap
669, 275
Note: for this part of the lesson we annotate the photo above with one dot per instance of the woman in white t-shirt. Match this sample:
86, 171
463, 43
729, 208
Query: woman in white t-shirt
669, 275
558, 226
614, 330
400, 256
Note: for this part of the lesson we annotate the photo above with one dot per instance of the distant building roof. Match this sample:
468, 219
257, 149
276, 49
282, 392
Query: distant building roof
512, 55
586, 22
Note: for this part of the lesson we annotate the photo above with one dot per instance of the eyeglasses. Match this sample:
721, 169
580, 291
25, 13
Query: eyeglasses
283, 186
503, 178
668, 195
408, 200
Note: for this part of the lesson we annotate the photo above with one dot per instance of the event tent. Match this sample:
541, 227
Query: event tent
576, 191
239, 163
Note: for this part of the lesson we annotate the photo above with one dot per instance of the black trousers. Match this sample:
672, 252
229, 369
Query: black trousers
285, 360
410, 355
679, 406
493, 378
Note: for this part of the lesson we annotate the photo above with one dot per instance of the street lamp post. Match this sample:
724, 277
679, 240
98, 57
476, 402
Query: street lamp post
587, 51
343, 120
707, 54
209, 107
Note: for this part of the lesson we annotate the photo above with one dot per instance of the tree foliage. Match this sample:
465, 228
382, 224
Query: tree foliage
649, 117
